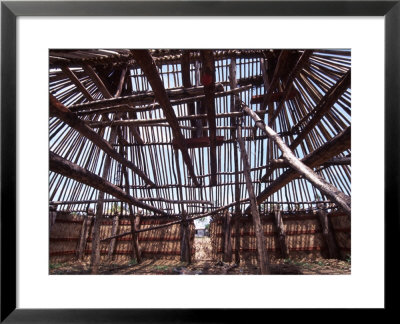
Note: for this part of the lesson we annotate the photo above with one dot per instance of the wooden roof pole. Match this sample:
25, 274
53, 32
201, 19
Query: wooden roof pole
177, 96
57, 109
121, 82
275, 79
330, 149
261, 250
97, 81
208, 80
71, 75
281, 163
147, 64
289, 83
75, 172
329, 190
323, 107
91, 201
185, 64
132, 115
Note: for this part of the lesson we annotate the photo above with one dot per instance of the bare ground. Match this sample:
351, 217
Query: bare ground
202, 265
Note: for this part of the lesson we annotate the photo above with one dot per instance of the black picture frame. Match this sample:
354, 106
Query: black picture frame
10, 10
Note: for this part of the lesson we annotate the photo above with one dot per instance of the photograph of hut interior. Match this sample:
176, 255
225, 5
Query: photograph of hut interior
148, 145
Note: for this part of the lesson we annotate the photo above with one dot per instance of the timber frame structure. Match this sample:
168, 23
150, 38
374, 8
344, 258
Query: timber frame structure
197, 132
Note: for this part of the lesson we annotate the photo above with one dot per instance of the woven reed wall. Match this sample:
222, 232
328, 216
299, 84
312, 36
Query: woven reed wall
161, 243
303, 233
342, 229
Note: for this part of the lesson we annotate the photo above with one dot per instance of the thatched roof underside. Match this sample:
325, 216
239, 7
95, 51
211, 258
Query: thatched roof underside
303, 95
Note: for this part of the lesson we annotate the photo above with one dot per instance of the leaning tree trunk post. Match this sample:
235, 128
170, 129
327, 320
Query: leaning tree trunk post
261, 250
342, 200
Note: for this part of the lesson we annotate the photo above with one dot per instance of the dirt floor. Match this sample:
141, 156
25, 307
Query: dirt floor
202, 265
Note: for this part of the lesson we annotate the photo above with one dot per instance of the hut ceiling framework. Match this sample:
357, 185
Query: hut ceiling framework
154, 122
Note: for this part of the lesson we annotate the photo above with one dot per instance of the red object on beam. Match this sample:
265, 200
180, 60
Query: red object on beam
199, 142
206, 79
275, 97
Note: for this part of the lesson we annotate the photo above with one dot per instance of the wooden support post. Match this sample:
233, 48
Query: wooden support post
281, 234
135, 223
208, 80
178, 171
52, 216
114, 231
185, 243
328, 234
200, 124
227, 243
96, 244
135, 226
342, 200
261, 250
233, 85
237, 236
85, 231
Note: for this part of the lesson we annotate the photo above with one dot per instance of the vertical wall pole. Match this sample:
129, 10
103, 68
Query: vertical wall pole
96, 244
135, 226
237, 236
86, 224
185, 244
327, 232
114, 231
52, 216
281, 234
227, 257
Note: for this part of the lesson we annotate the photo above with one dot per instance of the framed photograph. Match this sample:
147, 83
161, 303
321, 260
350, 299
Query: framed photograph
184, 84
